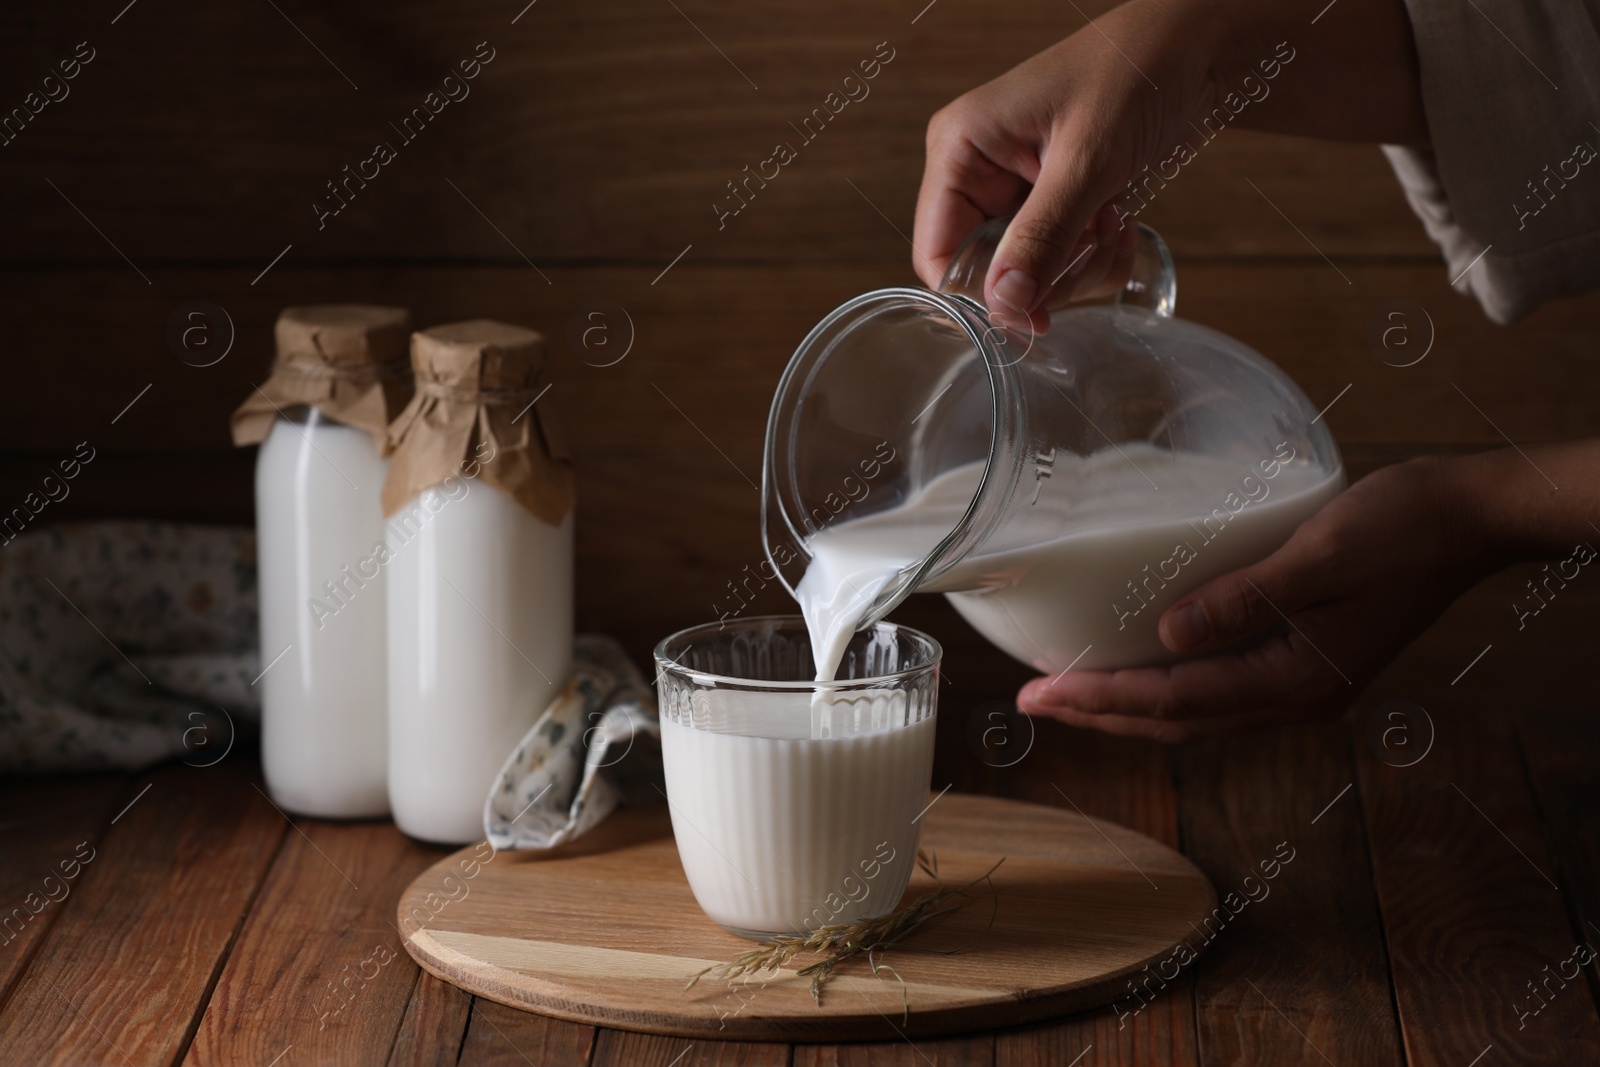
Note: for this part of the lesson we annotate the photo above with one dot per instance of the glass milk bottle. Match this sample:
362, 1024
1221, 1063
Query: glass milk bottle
320, 420
479, 502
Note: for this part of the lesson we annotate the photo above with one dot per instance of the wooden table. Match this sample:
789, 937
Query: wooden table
1422, 907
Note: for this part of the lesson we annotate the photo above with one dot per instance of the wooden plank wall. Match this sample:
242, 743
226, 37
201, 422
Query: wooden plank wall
586, 158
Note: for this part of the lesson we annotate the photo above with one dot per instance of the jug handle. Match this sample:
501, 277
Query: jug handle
1152, 284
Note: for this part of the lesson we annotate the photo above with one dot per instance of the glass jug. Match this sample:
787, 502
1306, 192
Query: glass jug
1062, 489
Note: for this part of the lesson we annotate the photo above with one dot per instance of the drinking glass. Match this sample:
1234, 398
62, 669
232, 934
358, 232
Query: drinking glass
796, 804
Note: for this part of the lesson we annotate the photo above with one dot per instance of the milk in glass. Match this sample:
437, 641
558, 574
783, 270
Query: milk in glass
796, 806
783, 832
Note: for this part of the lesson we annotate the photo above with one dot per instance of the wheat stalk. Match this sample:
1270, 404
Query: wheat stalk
839, 942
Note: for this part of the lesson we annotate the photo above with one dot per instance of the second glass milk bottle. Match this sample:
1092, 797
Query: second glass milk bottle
479, 502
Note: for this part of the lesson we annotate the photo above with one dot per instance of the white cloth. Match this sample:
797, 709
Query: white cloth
1510, 89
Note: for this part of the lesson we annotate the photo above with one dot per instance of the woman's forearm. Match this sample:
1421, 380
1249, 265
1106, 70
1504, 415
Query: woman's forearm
1060, 139
1537, 502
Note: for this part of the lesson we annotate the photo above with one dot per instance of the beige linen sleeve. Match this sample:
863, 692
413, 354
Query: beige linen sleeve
1510, 187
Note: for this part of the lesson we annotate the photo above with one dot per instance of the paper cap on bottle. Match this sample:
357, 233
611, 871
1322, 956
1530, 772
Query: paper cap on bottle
480, 413
479, 355
345, 360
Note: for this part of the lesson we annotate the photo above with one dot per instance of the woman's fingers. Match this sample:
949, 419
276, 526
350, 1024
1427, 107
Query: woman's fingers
1284, 671
1107, 262
961, 188
1247, 601
1048, 242
1169, 732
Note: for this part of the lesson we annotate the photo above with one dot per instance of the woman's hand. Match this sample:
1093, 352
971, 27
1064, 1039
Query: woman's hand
1058, 138
1055, 139
1351, 588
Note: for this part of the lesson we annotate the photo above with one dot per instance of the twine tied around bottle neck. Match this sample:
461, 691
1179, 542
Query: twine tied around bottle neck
354, 373
486, 395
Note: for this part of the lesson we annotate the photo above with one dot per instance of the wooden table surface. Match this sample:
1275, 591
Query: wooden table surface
1432, 912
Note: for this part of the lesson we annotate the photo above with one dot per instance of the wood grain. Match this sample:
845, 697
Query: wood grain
128, 968
1470, 906
608, 931
1545, 666
498, 1036
1560, 748
48, 827
597, 132
320, 947
1124, 781
946, 1052
619, 1048
714, 340
1163, 1034
434, 1025
1299, 976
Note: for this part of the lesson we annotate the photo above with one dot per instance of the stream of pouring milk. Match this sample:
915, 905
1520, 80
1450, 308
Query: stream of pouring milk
1132, 529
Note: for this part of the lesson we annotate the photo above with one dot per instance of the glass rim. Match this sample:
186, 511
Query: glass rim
665, 662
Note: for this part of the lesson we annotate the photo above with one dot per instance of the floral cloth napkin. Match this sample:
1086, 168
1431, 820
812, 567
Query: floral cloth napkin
123, 644
597, 745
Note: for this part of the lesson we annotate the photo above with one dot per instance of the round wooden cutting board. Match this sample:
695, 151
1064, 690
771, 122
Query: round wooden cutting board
606, 931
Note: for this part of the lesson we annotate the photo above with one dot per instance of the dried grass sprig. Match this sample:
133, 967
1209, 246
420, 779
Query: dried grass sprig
839, 942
